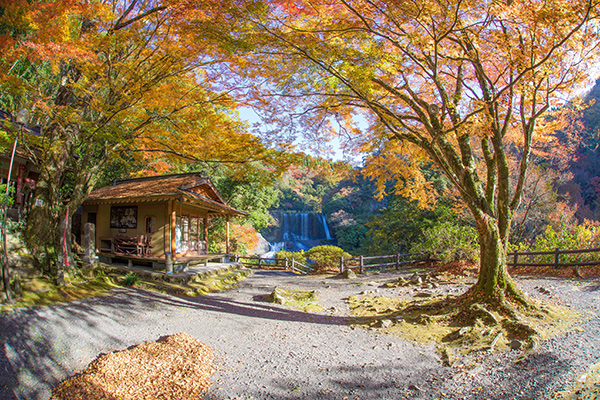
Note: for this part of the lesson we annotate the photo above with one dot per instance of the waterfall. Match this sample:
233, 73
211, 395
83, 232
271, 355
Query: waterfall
273, 249
325, 227
303, 230
285, 227
304, 226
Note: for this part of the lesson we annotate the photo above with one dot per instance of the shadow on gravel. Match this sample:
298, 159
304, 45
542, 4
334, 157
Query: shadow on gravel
533, 378
346, 381
27, 355
592, 288
257, 309
40, 344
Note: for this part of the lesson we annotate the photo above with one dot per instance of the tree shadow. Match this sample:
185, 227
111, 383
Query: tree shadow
259, 308
43, 345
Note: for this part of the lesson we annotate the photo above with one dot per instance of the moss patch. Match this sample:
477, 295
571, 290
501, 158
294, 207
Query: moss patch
198, 286
436, 320
81, 284
303, 300
41, 291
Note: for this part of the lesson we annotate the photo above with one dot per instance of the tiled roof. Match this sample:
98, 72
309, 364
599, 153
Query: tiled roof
197, 188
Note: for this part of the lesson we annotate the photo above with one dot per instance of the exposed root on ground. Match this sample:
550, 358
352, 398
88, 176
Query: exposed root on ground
466, 324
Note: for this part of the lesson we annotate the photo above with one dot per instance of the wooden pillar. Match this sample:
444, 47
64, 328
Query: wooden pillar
173, 228
97, 230
167, 226
227, 235
206, 232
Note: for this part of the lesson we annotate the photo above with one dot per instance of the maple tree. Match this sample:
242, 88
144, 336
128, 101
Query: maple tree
463, 84
112, 79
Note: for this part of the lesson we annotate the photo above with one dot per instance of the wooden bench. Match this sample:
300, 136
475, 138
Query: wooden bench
132, 245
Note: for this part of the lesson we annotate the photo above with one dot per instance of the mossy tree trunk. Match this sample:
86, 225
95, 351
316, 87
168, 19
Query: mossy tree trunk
494, 285
65, 181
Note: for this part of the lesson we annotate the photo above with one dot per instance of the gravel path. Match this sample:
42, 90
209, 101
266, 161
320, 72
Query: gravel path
267, 351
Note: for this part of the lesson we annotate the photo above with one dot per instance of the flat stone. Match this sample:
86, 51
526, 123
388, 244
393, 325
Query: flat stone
349, 274
416, 279
385, 323
516, 344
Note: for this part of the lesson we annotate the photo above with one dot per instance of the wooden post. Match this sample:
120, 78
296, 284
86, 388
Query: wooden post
97, 239
556, 254
206, 232
397, 260
515, 259
227, 235
341, 265
362, 264
287, 263
173, 229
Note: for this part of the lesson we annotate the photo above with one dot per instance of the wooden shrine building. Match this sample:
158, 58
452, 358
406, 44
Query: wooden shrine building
162, 219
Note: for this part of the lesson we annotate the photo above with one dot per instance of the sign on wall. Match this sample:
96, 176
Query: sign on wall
124, 217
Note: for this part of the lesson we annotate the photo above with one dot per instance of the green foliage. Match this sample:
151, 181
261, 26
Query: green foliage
308, 186
3, 197
299, 256
449, 241
400, 225
351, 237
249, 195
131, 280
565, 237
326, 258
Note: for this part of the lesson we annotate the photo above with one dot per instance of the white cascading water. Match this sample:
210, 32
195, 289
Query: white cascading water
273, 249
325, 227
301, 231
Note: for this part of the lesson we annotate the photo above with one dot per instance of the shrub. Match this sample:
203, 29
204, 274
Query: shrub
450, 242
299, 256
131, 280
567, 237
326, 258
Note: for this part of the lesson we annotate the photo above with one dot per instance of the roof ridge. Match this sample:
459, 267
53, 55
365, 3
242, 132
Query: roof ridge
149, 178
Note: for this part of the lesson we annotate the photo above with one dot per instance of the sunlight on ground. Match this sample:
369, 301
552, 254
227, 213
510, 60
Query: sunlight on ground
434, 321
303, 300
587, 386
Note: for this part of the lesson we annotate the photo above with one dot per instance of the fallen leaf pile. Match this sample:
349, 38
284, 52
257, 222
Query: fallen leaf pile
176, 367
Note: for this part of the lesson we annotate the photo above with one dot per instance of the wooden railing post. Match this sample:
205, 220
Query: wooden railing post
515, 259
362, 265
397, 261
341, 265
556, 254
287, 263
259, 263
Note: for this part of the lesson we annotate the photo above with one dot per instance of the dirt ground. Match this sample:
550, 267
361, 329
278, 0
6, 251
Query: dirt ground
270, 351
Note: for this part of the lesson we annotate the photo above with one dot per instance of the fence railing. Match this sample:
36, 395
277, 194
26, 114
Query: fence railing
281, 263
363, 263
552, 258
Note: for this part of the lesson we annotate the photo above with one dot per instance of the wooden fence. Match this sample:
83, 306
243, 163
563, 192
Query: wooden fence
362, 263
277, 263
552, 258
395, 260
